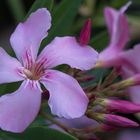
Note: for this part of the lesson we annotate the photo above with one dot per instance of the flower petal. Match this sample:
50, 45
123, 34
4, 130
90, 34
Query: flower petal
118, 28
117, 25
131, 59
80, 123
66, 50
130, 67
19, 109
9, 68
134, 93
30, 33
67, 99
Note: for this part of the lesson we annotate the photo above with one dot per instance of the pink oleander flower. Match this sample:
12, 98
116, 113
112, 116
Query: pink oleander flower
67, 99
118, 29
131, 68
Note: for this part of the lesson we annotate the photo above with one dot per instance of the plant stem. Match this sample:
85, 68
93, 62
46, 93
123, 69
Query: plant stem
50, 118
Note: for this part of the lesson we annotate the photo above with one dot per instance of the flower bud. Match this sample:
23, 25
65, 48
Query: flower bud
85, 33
111, 119
122, 106
120, 121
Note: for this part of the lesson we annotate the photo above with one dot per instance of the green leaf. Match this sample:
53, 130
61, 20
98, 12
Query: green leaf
100, 41
40, 133
17, 9
39, 4
62, 18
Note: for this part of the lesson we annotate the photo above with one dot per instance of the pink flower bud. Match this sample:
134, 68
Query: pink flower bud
85, 33
111, 119
116, 120
122, 106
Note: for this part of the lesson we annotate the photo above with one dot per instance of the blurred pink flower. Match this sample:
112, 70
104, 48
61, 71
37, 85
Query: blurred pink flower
118, 29
129, 135
67, 99
131, 68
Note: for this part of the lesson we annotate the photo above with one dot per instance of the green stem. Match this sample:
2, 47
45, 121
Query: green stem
120, 85
50, 118
110, 78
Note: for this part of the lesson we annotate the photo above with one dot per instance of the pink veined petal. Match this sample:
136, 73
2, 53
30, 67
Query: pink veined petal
9, 68
67, 99
66, 50
29, 34
19, 109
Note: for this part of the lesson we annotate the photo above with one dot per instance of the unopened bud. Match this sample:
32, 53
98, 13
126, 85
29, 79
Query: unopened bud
111, 119
122, 106
119, 121
85, 33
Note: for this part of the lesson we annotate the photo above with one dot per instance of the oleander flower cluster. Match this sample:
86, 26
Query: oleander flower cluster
66, 96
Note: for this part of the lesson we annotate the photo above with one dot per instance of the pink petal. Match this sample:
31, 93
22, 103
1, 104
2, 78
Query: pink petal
131, 58
9, 68
130, 68
67, 99
30, 33
66, 50
19, 109
118, 26
82, 122
109, 57
134, 93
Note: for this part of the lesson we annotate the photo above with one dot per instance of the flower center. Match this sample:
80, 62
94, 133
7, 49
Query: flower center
36, 71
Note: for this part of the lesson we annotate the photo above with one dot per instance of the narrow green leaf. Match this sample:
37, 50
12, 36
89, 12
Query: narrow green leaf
62, 18
39, 4
40, 133
100, 41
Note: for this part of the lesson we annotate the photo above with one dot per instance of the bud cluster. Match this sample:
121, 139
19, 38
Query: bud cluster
107, 99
